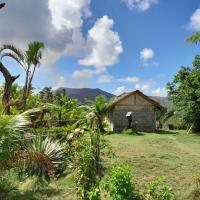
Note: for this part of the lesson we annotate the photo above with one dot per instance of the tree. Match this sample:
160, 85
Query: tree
184, 91
29, 60
46, 95
9, 80
194, 38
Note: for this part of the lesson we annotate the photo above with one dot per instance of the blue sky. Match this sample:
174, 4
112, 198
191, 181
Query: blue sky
114, 45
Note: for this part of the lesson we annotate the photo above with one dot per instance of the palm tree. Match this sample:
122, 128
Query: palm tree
29, 60
97, 113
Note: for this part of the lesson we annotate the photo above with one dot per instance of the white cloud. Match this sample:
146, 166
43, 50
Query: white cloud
195, 21
61, 82
120, 90
149, 87
103, 45
129, 79
68, 14
83, 74
57, 23
162, 92
106, 78
142, 5
146, 54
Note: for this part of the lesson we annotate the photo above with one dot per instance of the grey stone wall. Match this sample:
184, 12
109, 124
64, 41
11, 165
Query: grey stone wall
144, 117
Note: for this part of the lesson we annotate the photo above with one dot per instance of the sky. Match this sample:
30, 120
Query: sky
115, 45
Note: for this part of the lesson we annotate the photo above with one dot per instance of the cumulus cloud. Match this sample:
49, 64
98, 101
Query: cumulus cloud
141, 5
105, 78
195, 21
103, 45
162, 92
120, 90
83, 74
61, 82
129, 79
146, 54
149, 87
57, 23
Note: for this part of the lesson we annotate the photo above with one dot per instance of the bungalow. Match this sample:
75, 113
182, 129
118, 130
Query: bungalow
134, 107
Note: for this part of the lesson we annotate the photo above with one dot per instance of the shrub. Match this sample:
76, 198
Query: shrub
156, 190
120, 186
175, 122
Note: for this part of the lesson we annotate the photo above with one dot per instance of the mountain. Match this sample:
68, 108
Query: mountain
88, 94
84, 94
164, 101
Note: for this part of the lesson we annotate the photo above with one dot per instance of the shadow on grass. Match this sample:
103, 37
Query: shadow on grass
166, 132
41, 193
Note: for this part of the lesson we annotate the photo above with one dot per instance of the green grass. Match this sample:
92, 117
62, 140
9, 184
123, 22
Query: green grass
175, 156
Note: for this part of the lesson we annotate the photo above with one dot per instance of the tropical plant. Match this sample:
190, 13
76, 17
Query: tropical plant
156, 190
12, 128
185, 94
41, 157
29, 60
97, 113
119, 184
194, 38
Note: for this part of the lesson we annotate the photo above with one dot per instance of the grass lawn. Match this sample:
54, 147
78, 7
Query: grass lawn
176, 156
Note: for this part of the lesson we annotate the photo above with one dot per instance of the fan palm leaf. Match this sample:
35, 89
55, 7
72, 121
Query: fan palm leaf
41, 157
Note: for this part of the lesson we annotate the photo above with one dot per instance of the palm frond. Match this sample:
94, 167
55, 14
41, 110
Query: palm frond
13, 49
41, 157
22, 121
34, 54
13, 56
194, 38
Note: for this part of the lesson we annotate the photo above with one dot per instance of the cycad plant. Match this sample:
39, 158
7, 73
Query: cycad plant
12, 129
33, 155
41, 157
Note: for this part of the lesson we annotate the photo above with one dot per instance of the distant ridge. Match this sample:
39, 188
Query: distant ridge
88, 94
164, 101
84, 94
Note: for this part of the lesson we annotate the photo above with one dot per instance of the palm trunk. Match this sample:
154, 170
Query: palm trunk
9, 80
24, 97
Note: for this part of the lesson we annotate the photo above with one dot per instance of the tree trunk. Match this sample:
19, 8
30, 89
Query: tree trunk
9, 80
24, 97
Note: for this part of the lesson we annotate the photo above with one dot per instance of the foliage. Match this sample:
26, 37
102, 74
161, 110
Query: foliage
185, 94
94, 194
120, 186
175, 122
156, 190
85, 173
97, 114
41, 157
194, 38
29, 60
11, 129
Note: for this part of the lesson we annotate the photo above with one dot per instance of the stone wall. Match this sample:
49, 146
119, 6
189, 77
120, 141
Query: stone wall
143, 117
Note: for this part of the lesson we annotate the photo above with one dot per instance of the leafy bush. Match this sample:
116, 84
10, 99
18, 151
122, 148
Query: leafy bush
94, 194
120, 186
175, 123
85, 172
156, 190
